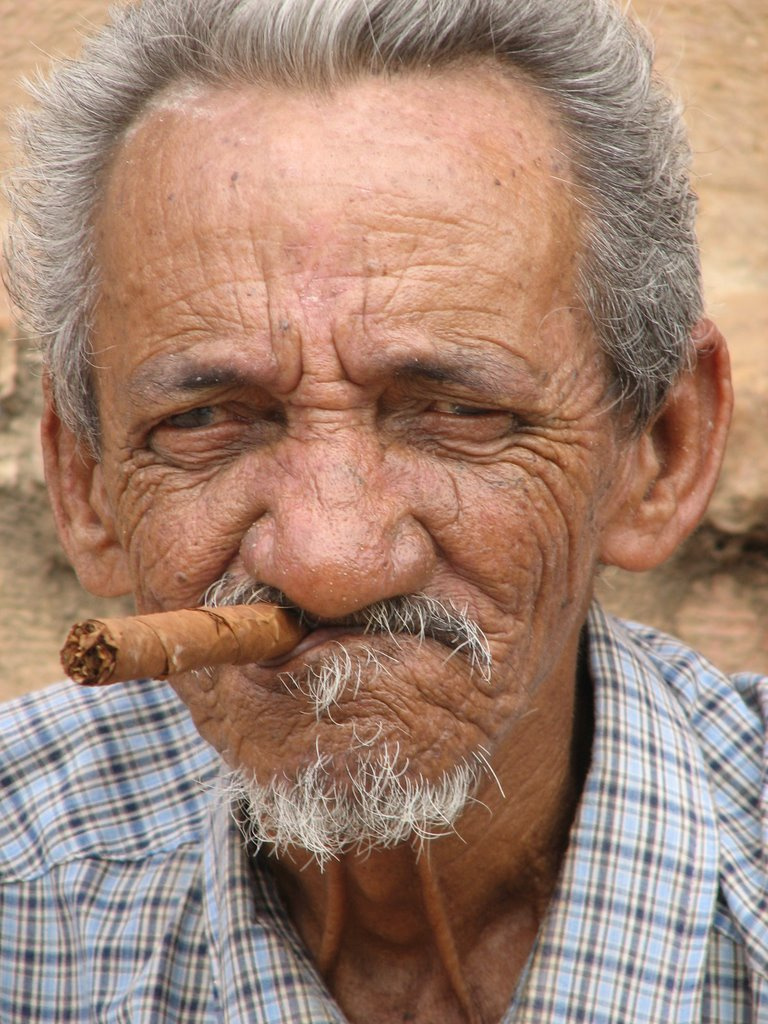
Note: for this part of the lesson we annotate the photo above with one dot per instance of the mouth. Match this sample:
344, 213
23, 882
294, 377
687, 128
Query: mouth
417, 616
314, 638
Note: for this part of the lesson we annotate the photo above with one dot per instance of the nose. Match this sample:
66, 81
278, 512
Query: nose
340, 529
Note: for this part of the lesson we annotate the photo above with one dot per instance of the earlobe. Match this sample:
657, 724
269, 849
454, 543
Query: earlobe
81, 509
674, 466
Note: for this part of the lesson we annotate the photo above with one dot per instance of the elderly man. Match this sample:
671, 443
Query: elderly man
388, 312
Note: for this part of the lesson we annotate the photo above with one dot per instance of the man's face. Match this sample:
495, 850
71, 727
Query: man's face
339, 351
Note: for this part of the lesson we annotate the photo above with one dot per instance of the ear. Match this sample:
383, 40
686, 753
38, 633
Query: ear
81, 508
673, 468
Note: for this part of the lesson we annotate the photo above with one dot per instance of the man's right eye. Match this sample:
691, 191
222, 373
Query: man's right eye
203, 416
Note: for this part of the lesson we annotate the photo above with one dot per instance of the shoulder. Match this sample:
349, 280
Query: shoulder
116, 773
725, 718
727, 715
723, 709
701, 690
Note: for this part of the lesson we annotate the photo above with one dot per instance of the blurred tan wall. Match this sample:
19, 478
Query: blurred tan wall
715, 592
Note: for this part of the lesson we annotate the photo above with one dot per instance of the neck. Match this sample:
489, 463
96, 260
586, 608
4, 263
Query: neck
442, 912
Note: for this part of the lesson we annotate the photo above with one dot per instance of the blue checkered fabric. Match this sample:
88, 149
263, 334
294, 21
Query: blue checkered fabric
126, 894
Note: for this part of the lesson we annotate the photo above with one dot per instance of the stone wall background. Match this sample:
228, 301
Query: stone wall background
714, 592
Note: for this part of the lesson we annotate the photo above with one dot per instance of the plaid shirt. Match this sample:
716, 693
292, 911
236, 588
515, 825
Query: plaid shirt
126, 896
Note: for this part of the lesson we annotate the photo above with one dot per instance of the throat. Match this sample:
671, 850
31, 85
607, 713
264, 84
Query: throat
442, 930
391, 952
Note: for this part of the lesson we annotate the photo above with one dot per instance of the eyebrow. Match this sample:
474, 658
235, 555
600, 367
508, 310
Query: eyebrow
156, 380
487, 374
204, 380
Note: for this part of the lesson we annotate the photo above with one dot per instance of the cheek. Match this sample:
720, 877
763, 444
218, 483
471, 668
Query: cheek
524, 530
180, 536
528, 547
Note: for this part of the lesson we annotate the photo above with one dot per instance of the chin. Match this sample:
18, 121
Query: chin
369, 798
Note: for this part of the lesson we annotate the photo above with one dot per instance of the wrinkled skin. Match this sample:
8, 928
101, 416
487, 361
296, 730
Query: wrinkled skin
339, 349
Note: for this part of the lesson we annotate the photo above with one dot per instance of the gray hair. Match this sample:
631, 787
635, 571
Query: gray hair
639, 274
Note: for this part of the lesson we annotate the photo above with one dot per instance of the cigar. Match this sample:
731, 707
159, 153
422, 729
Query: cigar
102, 651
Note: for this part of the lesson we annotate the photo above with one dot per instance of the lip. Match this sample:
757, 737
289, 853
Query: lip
315, 638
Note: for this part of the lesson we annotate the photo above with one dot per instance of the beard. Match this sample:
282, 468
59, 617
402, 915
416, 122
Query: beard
376, 803
376, 807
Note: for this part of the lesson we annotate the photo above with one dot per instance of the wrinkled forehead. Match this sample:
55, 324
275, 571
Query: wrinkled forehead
479, 121
389, 197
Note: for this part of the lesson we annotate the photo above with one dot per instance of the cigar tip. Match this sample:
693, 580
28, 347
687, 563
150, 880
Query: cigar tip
87, 657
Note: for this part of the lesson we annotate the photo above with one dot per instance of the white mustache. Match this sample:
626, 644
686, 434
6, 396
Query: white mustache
417, 615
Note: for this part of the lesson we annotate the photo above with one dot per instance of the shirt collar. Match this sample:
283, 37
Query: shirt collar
261, 970
626, 934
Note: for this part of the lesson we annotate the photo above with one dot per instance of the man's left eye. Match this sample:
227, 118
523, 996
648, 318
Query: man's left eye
204, 416
457, 422
457, 409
